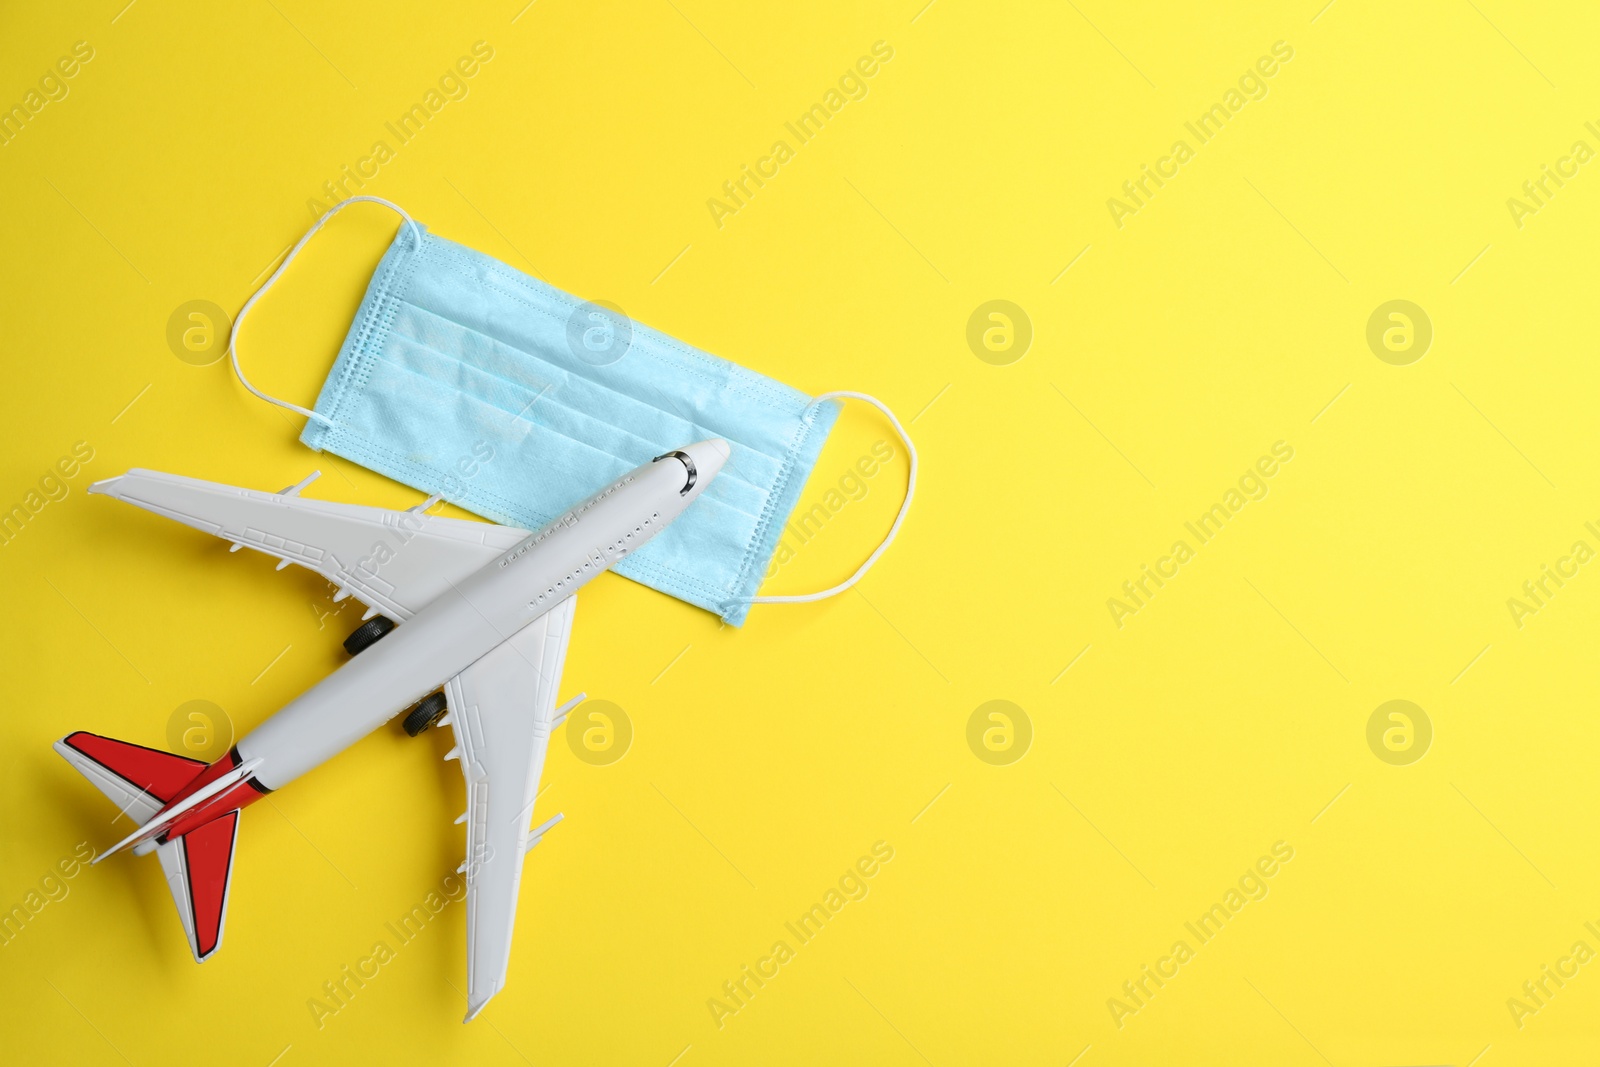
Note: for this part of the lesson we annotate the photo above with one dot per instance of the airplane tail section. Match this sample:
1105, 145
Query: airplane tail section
199, 864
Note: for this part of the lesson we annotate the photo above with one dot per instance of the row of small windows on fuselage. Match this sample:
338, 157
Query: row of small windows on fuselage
618, 546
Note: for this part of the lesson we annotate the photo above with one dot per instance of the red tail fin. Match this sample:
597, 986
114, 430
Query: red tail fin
198, 863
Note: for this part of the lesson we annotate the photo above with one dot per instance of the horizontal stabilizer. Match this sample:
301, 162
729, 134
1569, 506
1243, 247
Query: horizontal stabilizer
138, 780
199, 869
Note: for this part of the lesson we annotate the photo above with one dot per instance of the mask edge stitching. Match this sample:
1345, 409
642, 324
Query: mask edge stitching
380, 319
791, 462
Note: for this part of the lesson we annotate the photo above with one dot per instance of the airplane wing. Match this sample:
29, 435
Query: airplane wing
502, 709
395, 562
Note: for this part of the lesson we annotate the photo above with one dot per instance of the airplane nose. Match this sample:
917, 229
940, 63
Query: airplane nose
709, 456
701, 461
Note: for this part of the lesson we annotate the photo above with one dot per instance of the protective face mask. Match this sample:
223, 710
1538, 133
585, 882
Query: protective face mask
466, 379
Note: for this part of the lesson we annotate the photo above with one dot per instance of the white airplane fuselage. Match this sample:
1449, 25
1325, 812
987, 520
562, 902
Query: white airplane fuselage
460, 626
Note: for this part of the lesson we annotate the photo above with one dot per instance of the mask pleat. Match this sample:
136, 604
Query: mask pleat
459, 377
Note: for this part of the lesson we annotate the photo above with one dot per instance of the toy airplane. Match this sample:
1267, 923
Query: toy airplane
484, 610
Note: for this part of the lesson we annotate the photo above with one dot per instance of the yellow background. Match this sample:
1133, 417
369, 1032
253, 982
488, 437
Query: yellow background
1228, 714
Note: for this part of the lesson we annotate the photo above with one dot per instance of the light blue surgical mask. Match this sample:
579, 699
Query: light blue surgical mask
467, 379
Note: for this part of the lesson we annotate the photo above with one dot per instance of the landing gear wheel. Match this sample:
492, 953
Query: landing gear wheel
427, 712
368, 634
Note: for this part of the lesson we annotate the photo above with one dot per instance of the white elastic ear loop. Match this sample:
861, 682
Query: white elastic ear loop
238, 322
911, 490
